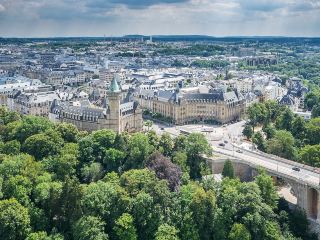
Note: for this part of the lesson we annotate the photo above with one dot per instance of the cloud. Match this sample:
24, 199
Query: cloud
118, 17
262, 5
146, 3
2, 8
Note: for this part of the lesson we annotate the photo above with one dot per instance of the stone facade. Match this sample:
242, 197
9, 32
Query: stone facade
182, 108
117, 115
37, 104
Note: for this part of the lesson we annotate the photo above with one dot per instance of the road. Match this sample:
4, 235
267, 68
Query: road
231, 137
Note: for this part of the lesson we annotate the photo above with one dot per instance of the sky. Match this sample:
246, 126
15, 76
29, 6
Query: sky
59, 18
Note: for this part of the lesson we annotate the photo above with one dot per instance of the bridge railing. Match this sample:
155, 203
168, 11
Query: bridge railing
272, 171
280, 159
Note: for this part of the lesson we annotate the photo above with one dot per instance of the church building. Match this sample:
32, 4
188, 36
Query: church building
117, 114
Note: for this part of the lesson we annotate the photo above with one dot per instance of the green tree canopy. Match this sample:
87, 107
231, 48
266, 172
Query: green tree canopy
259, 141
282, 144
32, 125
14, 220
310, 155
166, 144
124, 228
228, 170
247, 131
239, 232
196, 146
89, 228
268, 191
41, 145
167, 232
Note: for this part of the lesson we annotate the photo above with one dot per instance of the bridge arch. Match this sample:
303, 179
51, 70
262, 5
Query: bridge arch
313, 199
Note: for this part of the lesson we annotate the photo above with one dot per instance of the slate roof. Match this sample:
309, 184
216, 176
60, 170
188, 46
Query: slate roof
287, 100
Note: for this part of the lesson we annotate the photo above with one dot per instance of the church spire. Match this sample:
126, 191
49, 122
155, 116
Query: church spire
114, 86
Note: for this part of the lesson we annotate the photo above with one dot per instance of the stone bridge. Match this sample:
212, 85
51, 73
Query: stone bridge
307, 193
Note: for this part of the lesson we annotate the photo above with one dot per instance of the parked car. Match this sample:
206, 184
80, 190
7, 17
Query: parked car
296, 169
239, 151
221, 144
225, 141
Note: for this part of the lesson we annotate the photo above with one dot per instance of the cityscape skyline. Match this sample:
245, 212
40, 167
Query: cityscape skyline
37, 18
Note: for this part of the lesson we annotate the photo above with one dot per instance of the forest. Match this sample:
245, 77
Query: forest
60, 183
275, 129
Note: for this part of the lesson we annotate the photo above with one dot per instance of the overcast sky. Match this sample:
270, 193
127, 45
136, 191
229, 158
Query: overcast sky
50, 18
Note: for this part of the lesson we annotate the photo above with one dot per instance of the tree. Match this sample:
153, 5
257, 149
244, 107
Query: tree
11, 147
1, 183
310, 155
148, 124
18, 187
239, 232
92, 172
113, 160
89, 228
167, 232
180, 143
256, 113
68, 132
247, 131
299, 223
313, 131
153, 139
203, 206
139, 150
315, 111
43, 144
271, 231
124, 227
166, 144
282, 145
43, 236
86, 154
67, 207
228, 170
121, 141
165, 169
285, 120
137, 180
102, 140
105, 200
38, 236
32, 125
146, 215
268, 191
243, 201
196, 146
63, 165
298, 128
274, 109
269, 131
14, 220
259, 141
22, 164
180, 158
8, 116
311, 100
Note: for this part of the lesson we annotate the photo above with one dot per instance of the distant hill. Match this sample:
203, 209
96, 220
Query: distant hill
169, 38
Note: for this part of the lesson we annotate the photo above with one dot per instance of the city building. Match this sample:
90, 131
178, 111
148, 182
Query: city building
118, 115
37, 104
184, 108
